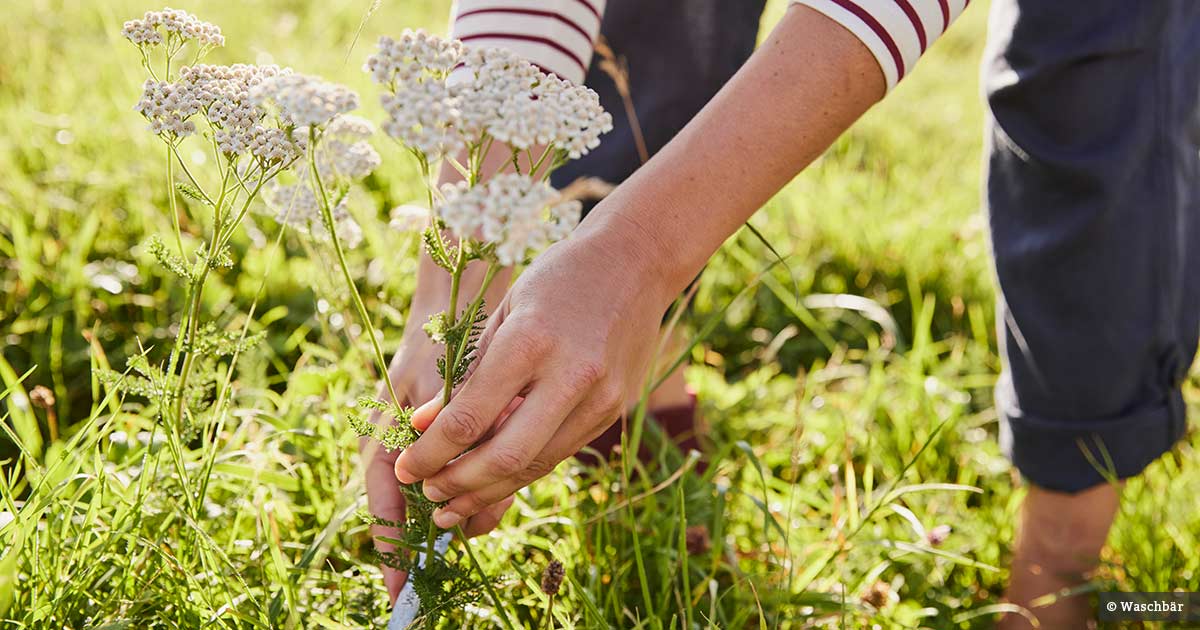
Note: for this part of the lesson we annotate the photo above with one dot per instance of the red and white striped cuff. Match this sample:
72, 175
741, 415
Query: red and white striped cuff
897, 32
556, 35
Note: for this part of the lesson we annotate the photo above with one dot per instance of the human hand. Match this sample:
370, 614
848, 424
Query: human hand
414, 376
571, 342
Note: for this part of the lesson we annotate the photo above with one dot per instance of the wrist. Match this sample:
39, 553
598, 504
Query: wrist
658, 268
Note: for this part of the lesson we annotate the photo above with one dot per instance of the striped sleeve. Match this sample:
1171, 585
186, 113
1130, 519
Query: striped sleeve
556, 35
897, 32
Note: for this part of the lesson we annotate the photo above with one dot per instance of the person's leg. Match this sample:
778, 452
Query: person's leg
1093, 206
1059, 537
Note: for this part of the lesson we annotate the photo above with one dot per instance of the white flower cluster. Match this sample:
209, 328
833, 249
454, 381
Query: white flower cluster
168, 106
304, 100
344, 152
238, 123
273, 145
297, 206
176, 24
555, 113
423, 117
518, 214
436, 112
222, 95
491, 76
416, 56
409, 218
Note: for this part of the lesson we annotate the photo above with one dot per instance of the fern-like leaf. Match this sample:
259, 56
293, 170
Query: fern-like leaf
443, 259
191, 192
171, 262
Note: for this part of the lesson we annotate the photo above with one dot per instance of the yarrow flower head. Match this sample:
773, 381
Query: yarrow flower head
555, 113
415, 57
344, 153
221, 96
408, 218
424, 117
304, 100
297, 206
178, 25
436, 106
516, 214
168, 106
489, 78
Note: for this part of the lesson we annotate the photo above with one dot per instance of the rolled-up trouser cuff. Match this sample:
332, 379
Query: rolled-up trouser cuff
1052, 454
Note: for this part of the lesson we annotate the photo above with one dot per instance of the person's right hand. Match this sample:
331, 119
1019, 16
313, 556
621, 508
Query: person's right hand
414, 376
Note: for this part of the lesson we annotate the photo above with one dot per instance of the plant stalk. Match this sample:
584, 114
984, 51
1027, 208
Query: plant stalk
330, 226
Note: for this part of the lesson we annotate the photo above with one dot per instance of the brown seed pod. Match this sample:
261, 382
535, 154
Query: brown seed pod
552, 577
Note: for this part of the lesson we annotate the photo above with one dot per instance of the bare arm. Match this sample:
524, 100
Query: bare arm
807, 84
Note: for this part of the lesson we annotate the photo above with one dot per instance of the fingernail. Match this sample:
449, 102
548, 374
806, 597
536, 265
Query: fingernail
403, 476
435, 494
446, 519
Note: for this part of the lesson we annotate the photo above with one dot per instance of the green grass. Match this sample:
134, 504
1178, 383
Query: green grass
840, 436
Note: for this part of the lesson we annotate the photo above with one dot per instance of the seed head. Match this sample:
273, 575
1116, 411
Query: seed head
552, 577
698, 540
42, 397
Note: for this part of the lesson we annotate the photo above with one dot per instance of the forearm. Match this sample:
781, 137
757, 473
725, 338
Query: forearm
805, 85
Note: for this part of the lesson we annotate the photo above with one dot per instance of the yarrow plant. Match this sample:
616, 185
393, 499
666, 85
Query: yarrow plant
450, 105
285, 144
261, 124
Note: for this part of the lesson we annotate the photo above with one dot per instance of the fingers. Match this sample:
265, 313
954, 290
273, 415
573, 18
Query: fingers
487, 519
565, 443
513, 450
424, 415
503, 373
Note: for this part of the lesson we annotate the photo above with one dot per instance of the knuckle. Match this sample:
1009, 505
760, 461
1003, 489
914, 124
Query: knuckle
589, 373
507, 461
449, 485
530, 344
464, 426
610, 399
469, 505
538, 468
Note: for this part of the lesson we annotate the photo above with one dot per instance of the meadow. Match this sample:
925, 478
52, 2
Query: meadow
855, 478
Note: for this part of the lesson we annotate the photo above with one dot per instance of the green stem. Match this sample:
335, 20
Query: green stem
473, 309
430, 543
452, 312
228, 234
171, 197
331, 227
550, 614
183, 167
196, 291
538, 164
487, 584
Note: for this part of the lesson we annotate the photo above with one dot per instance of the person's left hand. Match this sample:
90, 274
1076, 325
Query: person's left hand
573, 339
